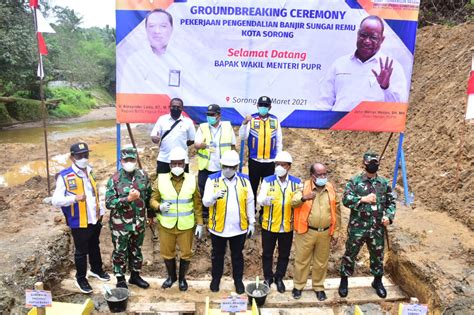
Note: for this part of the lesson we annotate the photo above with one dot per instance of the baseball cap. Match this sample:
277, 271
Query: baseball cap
264, 100
80, 147
371, 156
129, 152
213, 109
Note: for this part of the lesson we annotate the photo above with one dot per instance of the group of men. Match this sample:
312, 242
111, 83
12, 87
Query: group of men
227, 200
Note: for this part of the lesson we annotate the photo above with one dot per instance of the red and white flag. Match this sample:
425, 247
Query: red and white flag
41, 26
470, 92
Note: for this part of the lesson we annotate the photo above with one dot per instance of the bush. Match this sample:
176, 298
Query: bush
449, 12
74, 102
25, 110
4, 116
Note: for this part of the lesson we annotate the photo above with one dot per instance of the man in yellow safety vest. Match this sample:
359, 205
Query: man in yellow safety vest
230, 199
213, 138
176, 199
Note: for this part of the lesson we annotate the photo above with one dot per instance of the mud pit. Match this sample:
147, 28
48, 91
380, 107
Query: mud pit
432, 242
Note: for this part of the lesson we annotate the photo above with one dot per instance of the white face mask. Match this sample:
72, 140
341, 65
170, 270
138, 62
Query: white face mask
280, 171
177, 170
129, 166
82, 163
228, 172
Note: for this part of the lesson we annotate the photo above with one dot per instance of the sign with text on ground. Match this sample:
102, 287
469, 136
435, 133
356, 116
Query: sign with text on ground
342, 65
38, 298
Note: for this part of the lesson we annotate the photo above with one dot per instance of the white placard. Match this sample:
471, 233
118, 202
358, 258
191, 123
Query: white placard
38, 298
234, 304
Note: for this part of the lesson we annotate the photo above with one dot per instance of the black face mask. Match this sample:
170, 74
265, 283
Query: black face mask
175, 113
372, 168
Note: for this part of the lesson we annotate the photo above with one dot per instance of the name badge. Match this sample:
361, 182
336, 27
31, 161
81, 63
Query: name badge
174, 78
72, 183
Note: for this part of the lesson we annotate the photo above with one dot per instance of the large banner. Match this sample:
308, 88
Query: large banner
342, 65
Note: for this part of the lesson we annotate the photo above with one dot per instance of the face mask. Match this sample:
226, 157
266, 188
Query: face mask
372, 168
280, 171
82, 163
228, 172
129, 166
177, 170
321, 181
211, 120
263, 111
175, 113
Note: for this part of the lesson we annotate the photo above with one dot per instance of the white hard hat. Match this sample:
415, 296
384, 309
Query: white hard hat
283, 156
177, 154
230, 158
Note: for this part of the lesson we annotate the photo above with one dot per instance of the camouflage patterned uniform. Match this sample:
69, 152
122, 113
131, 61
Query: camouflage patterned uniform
365, 222
128, 219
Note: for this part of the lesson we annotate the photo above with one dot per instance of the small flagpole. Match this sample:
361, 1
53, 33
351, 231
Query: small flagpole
43, 105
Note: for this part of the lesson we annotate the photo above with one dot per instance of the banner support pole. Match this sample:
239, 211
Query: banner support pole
241, 153
400, 161
118, 145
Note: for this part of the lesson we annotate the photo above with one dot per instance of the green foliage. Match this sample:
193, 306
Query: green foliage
24, 110
4, 116
449, 12
74, 102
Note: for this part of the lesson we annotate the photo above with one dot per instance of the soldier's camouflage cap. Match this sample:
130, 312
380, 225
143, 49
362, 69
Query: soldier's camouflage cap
128, 153
371, 156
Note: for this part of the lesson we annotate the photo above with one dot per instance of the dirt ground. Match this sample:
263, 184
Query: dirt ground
432, 241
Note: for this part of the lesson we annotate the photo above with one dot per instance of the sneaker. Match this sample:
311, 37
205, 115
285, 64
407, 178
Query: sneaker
83, 285
103, 276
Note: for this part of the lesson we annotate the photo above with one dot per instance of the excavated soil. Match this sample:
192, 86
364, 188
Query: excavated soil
432, 241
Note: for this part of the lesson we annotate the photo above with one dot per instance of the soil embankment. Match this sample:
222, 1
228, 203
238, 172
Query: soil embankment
432, 247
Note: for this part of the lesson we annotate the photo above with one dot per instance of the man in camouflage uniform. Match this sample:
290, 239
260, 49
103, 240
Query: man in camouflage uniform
372, 205
127, 197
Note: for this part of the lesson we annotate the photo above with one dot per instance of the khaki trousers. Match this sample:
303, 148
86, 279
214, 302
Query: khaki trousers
311, 247
170, 237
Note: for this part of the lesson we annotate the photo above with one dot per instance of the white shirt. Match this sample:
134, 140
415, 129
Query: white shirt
244, 132
232, 216
184, 131
350, 81
262, 195
146, 73
214, 162
61, 199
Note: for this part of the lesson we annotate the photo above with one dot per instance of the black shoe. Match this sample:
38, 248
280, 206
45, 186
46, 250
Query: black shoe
296, 294
239, 286
137, 280
379, 288
183, 269
102, 275
268, 281
321, 295
83, 285
121, 282
215, 285
171, 269
280, 285
343, 290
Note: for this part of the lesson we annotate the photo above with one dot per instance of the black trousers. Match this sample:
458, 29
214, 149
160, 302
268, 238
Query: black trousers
202, 178
86, 242
219, 244
257, 171
269, 241
162, 167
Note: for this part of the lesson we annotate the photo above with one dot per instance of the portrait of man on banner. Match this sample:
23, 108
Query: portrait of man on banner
153, 68
365, 75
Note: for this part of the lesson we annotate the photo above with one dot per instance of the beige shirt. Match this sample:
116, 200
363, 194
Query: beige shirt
320, 215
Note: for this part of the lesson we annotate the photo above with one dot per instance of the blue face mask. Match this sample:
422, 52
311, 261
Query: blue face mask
211, 120
321, 181
263, 111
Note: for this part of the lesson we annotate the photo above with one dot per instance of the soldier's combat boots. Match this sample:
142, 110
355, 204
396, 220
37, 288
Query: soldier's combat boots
183, 269
343, 290
379, 288
137, 280
121, 282
171, 269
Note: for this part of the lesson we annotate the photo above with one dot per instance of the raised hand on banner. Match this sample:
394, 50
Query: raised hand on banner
383, 78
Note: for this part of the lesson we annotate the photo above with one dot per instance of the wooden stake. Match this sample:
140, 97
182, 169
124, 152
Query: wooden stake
40, 310
133, 143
